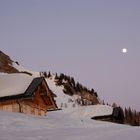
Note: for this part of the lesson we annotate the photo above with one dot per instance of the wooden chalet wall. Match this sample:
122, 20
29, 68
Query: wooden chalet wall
48, 98
34, 106
37, 104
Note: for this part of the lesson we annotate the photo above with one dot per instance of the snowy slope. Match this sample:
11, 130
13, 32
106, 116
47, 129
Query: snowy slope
61, 125
71, 123
69, 103
14, 84
63, 101
22, 69
58, 90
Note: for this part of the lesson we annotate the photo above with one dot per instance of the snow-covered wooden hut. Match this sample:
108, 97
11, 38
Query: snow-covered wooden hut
25, 94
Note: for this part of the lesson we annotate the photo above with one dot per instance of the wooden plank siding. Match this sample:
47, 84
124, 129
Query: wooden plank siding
24, 107
36, 104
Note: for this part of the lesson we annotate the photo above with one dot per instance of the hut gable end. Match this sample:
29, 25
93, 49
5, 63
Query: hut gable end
36, 99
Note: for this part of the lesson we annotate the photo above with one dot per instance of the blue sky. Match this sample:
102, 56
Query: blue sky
81, 38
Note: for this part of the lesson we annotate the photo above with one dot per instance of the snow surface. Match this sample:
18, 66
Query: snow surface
69, 103
63, 100
22, 69
14, 84
71, 123
61, 125
91, 111
58, 90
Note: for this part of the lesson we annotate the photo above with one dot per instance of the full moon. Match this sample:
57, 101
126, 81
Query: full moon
124, 50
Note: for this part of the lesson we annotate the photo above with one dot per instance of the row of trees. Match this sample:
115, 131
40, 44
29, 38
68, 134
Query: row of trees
70, 84
45, 74
71, 88
132, 117
126, 116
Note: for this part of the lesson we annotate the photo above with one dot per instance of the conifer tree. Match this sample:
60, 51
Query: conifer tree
49, 74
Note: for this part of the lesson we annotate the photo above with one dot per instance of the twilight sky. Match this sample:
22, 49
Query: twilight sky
81, 38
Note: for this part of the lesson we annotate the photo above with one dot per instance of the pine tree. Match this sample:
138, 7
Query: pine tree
49, 74
56, 77
95, 93
45, 74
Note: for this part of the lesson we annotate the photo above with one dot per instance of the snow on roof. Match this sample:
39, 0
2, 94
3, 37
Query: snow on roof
14, 84
91, 111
